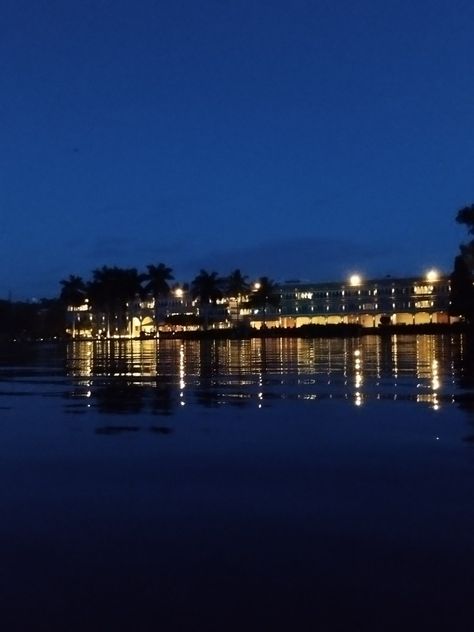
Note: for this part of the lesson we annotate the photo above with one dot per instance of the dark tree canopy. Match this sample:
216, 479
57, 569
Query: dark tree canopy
206, 286
466, 216
110, 291
462, 292
462, 288
112, 288
157, 278
73, 291
236, 284
266, 295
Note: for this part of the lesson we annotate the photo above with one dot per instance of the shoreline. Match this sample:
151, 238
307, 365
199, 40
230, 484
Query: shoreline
317, 331
305, 332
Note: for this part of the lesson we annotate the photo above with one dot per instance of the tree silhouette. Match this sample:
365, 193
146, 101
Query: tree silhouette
466, 216
110, 291
73, 291
206, 287
236, 284
73, 294
236, 287
264, 296
157, 278
462, 289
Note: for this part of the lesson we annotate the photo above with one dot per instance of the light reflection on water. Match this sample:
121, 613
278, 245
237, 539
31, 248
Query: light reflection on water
261, 490
170, 373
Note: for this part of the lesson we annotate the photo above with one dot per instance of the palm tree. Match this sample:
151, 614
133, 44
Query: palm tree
206, 287
236, 284
158, 277
73, 294
110, 291
265, 295
236, 287
73, 291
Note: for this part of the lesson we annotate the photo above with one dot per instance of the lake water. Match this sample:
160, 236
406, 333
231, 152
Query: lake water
238, 485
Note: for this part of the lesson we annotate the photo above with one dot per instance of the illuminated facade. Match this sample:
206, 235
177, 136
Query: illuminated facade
79, 321
369, 303
406, 301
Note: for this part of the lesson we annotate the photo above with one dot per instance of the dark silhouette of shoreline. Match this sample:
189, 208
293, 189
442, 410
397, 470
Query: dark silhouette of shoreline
244, 333
316, 331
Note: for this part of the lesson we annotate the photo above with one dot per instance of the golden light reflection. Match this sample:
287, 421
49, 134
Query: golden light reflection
182, 368
360, 371
79, 358
182, 375
435, 383
395, 356
358, 377
428, 371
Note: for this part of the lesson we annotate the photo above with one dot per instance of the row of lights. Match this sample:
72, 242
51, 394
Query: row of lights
354, 281
431, 276
179, 292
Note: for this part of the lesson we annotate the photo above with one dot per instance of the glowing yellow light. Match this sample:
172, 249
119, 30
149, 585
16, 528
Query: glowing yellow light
257, 285
432, 275
355, 279
179, 292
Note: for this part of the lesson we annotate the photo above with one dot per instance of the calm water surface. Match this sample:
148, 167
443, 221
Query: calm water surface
243, 485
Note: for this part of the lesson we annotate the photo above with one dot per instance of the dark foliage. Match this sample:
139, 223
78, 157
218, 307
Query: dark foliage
466, 216
31, 321
157, 278
207, 287
73, 291
462, 289
267, 295
236, 284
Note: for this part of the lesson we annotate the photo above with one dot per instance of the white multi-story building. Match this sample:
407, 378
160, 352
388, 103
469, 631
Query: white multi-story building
397, 301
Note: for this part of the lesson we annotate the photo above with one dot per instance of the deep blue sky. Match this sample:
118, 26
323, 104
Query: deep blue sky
301, 139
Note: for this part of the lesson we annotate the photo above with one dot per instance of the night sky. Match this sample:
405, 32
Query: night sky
303, 139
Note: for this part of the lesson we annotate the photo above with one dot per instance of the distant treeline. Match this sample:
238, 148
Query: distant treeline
31, 320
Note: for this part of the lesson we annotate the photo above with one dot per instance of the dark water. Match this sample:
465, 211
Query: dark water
255, 485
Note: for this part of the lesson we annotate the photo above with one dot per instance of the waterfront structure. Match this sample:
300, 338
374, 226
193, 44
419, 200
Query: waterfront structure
79, 321
368, 303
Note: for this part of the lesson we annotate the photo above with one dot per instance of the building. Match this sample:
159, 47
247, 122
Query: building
369, 303
405, 301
